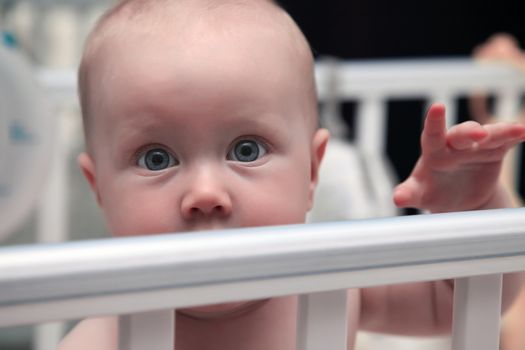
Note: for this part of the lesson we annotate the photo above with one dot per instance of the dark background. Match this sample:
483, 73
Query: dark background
373, 29
360, 29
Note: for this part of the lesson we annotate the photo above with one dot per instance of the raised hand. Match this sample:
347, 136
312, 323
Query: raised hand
502, 48
458, 168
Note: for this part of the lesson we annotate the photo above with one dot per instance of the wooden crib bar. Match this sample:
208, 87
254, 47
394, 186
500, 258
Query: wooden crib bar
477, 308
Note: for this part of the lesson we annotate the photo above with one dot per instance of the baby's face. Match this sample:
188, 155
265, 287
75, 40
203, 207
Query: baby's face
201, 134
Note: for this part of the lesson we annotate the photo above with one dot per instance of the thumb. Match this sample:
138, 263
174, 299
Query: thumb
407, 194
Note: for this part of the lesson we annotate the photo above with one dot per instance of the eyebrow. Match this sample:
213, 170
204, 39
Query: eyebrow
264, 123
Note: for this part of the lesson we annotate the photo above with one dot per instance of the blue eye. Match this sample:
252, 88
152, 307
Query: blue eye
156, 159
246, 151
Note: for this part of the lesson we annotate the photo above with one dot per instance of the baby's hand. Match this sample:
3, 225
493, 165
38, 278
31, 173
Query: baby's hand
458, 168
501, 47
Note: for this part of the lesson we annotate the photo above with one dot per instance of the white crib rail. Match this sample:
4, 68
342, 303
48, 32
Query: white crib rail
361, 80
409, 78
71, 280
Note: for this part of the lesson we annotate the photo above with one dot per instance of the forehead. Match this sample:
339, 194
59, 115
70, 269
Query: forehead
204, 65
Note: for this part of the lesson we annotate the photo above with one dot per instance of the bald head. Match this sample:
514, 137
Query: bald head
186, 29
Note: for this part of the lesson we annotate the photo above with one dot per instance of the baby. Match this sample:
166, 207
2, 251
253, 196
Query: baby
202, 114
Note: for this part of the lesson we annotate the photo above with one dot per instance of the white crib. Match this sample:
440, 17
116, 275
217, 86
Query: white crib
318, 261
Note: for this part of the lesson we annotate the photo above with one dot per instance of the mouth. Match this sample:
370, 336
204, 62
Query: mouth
208, 226
223, 311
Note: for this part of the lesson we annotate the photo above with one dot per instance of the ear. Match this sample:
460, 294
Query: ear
88, 168
319, 142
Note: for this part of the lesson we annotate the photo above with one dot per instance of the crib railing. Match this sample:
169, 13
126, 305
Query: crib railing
157, 274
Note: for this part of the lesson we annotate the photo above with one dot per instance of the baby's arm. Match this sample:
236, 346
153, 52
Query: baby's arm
95, 333
458, 170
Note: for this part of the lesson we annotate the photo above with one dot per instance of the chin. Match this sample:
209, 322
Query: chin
216, 307
221, 311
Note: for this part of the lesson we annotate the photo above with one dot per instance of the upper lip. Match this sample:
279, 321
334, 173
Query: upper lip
207, 225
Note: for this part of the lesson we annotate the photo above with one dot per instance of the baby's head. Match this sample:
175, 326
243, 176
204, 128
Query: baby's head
199, 114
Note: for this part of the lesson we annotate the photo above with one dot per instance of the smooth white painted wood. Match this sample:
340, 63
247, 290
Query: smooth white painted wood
371, 125
47, 336
446, 98
371, 143
477, 308
153, 330
323, 321
52, 217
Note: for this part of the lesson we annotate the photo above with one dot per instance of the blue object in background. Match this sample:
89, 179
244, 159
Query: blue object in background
9, 39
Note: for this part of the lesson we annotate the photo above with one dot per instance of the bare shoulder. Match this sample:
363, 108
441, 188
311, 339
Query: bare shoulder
93, 333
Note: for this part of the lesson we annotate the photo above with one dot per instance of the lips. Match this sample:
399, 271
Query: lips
222, 311
209, 225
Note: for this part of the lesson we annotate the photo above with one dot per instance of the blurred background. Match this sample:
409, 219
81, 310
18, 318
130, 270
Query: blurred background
49, 34
375, 29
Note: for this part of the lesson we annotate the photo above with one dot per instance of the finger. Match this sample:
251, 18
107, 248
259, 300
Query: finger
500, 134
465, 135
433, 138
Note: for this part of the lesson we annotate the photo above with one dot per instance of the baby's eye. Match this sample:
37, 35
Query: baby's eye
247, 151
156, 159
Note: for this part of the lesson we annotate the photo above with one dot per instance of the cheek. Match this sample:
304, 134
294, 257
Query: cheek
281, 199
132, 213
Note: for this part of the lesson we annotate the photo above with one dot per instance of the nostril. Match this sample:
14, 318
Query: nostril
201, 204
198, 211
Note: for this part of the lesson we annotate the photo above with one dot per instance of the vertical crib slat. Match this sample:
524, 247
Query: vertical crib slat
322, 321
52, 215
507, 105
47, 336
154, 330
371, 139
448, 100
477, 308
371, 125
507, 108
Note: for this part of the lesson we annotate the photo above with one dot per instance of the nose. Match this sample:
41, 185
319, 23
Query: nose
207, 198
